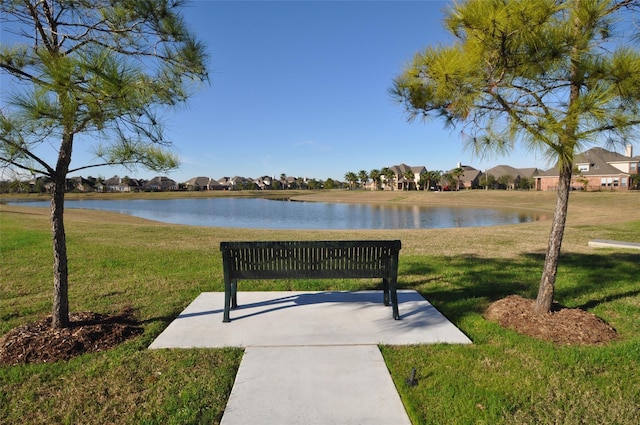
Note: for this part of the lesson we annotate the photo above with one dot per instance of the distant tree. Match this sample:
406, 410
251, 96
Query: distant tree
409, 177
554, 75
432, 178
450, 179
375, 178
506, 181
364, 178
524, 183
329, 183
457, 174
246, 185
487, 181
390, 177
92, 71
314, 184
352, 179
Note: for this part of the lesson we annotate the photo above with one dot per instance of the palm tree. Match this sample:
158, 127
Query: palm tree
449, 179
352, 178
364, 178
375, 177
434, 177
409, 177
457, 173
390, 176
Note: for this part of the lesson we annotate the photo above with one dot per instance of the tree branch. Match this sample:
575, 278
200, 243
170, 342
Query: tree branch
525, 125
23, 167
28, 154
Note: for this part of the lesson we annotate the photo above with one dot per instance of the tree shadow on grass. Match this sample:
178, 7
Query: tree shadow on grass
463, 285
593, 279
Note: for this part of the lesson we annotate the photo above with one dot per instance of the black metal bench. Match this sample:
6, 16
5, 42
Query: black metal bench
352, 259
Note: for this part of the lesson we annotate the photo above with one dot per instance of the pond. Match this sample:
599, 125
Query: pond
259, 213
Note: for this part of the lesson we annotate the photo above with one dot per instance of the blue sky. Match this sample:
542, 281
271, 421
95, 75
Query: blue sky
301, 88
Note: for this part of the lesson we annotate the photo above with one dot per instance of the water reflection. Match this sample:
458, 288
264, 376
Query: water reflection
270, 214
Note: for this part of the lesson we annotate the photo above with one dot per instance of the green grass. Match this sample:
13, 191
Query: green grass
512, 379
503, 378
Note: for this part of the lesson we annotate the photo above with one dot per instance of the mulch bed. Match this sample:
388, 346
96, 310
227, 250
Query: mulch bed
89, 332
562, 325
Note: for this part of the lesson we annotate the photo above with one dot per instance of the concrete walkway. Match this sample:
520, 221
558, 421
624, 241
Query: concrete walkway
601, 243
311, 357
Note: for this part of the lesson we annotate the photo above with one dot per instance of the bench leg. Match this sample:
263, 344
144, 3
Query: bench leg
394, 302
234, 293
230, 298
391, 296
227, 301
385, 288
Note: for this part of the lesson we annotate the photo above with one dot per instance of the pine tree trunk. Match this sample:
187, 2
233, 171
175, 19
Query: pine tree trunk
60, 269
60, 313
548, 281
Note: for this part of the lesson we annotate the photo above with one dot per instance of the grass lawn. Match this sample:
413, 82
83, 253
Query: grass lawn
503, 378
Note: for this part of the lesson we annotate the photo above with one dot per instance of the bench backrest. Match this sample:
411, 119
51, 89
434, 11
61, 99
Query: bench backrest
310, 259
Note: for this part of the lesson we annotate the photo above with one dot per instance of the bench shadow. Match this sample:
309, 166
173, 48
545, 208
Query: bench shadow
298, 300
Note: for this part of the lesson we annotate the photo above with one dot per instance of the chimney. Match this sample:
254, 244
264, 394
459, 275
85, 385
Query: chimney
628, 151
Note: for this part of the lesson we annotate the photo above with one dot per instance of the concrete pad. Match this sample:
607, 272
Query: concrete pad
314, 385
308, 319
601, 243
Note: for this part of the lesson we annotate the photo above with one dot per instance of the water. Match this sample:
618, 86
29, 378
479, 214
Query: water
261, 213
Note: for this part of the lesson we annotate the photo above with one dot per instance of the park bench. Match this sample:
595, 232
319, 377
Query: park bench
352, 259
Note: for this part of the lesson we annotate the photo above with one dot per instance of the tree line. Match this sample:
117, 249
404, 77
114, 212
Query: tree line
432, 180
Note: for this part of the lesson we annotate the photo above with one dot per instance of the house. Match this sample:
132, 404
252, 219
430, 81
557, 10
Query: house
401, 171
291, 183
264, 182
79, 184
597, 169
469, 178
121, 184
160, 183
509, 177
202, 183
237, 183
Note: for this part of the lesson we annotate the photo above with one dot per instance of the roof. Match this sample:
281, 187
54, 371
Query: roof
603, 155
507, 170
402, 168
202, 182
159, 180
599, 161
470, 174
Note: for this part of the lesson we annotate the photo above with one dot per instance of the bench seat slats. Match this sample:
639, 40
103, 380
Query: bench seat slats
353, 259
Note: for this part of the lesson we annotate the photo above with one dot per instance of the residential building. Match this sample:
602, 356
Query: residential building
469, 179
597, 169
236, 183
264, 182
508, 177
160, 183
203, 183
401, 182
121, 184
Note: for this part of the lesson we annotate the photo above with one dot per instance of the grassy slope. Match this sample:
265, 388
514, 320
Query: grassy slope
117, 261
